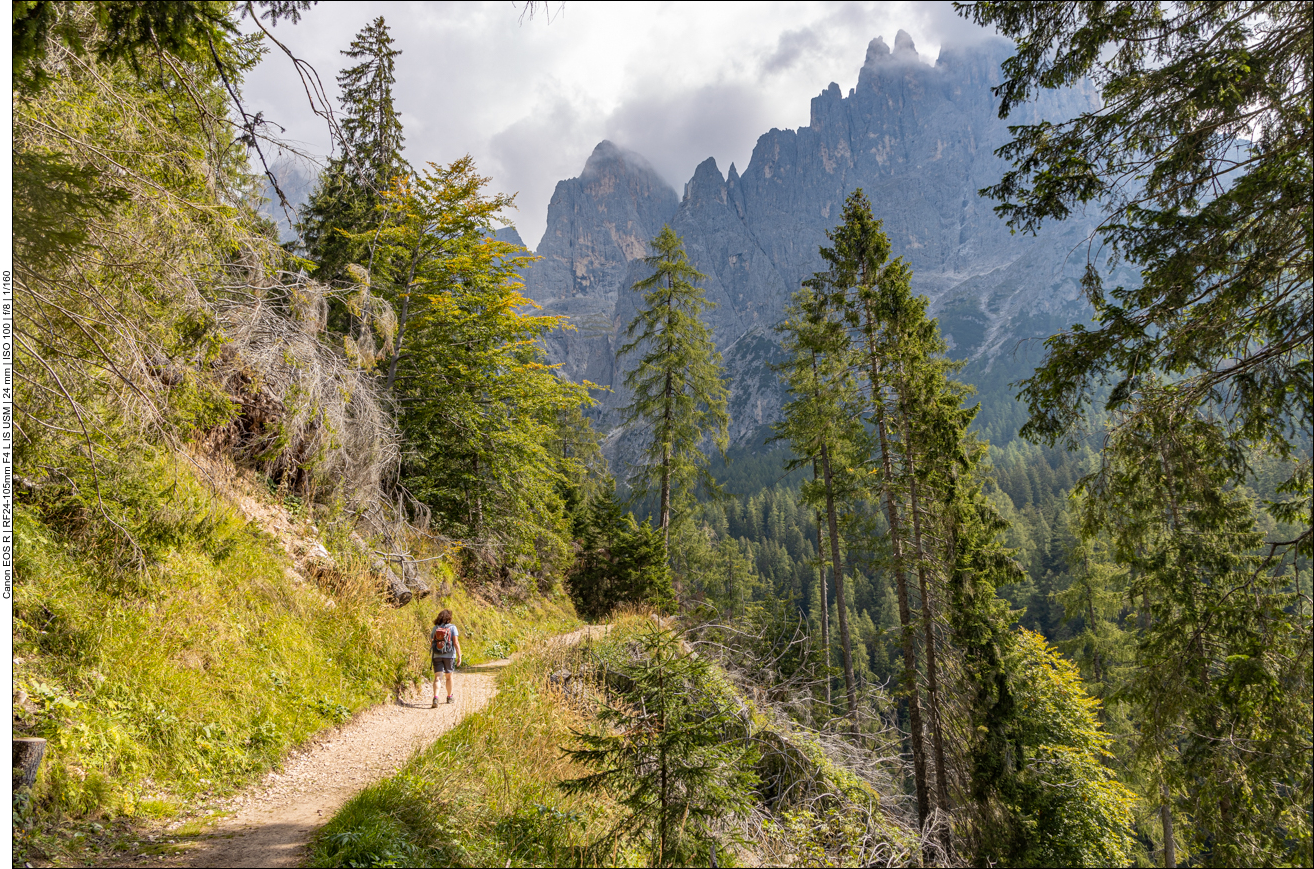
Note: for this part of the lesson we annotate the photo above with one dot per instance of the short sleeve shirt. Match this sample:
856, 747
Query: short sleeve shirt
455, 633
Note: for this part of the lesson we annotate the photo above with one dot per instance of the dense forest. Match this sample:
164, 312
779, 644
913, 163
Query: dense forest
1057, 603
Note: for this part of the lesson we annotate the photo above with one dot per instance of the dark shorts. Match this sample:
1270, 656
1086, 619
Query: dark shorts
444, 665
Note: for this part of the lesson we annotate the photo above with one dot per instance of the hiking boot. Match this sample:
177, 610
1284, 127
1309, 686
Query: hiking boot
449, 699
434, 705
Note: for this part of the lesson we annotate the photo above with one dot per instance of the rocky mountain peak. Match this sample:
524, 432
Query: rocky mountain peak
609, 159
706, 183
904, 50
903, 47
877, 51
918, 139
598, 228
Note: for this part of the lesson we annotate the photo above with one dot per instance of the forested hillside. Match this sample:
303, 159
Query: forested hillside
870, 585
248, 476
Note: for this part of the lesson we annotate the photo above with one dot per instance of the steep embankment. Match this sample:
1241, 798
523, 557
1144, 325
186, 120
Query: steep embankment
168, 673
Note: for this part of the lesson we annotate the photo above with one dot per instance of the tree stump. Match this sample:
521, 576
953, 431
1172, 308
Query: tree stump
28, 752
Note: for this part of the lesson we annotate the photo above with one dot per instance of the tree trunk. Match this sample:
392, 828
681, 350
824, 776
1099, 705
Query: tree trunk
1094, 637
901, 580
410, 572
397, 345
663, 818
668, 397
393, 585
837, 571
666, 468
28, 752
661, 852
1166, 818
928, 620
905, 622
825, 603
478, 516
401, 321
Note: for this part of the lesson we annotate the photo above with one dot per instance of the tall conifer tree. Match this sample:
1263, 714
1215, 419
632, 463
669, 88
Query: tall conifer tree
678, 386
1222, 679
872, 297
349, 192
1200, 152
822, 425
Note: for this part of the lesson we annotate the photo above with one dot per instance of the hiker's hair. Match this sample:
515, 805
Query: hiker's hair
444, 618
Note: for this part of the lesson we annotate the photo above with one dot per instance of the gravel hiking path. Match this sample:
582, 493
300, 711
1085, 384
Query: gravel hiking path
274, 819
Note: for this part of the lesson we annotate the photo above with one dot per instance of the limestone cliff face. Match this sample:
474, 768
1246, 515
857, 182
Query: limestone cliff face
918, 139
598, 226
510, 235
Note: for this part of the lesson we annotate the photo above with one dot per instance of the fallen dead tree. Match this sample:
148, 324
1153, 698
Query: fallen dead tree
312, 416
316, 422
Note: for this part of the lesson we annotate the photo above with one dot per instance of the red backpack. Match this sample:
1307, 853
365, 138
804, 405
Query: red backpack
442, 644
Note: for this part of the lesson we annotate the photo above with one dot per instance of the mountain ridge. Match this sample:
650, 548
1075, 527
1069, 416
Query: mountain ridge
918, 139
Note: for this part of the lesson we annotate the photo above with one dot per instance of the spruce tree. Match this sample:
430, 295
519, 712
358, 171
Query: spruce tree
872, 296
1199, 149
1094, 600
664, 753
1221, 682
822, 424
906, 444
346, 201
620, 561
678, 385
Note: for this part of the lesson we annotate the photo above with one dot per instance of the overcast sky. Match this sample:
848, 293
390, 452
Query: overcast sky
677, 82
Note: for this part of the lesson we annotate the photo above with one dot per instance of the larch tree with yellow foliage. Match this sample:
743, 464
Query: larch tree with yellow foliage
1058, 802
478, 406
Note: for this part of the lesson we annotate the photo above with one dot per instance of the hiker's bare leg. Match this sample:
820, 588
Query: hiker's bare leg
448, 674
435, 685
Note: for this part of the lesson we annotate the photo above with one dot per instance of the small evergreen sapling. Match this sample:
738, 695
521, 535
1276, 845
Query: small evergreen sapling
663, 752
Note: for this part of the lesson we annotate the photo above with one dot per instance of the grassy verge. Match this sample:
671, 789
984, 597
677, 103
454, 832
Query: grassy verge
486, 793
174, 674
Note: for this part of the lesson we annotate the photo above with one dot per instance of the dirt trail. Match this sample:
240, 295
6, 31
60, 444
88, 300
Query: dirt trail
275, 818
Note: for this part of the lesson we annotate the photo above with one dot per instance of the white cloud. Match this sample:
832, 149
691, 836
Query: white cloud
677, 82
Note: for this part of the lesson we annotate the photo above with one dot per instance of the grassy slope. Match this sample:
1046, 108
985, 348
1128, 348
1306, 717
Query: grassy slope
485, 794
187, 670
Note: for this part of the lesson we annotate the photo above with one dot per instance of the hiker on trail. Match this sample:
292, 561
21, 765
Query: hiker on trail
445, 649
